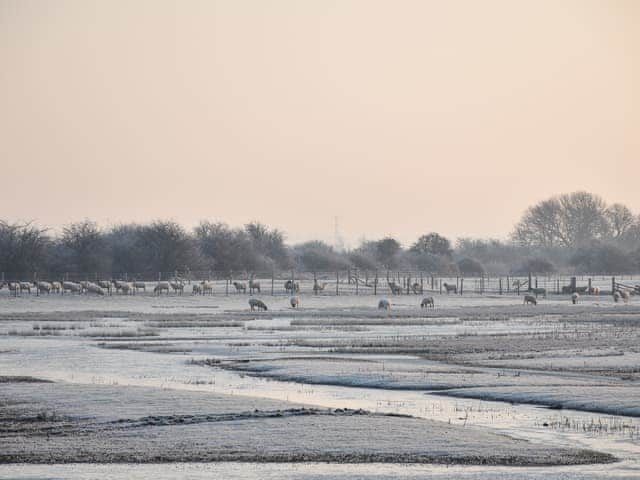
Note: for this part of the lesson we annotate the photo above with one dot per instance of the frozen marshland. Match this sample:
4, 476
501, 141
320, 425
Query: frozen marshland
200, 387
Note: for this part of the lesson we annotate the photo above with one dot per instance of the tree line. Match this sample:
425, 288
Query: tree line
576, 232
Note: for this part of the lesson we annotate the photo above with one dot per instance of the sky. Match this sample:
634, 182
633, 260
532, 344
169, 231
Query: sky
399, 117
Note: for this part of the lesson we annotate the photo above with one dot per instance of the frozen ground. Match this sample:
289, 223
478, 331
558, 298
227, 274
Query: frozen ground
187, 359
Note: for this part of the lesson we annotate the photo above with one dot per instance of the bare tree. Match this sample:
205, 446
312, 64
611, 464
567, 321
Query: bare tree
23, 248
620, 220
567, 220
85, 247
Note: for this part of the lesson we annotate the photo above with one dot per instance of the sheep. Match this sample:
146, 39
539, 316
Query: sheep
530, 299
56, 287
25, 287
177, 286
253, 285
196, 290
574, 297
384, 304
624, 295
318, 287
105, 285
71, 287
125, 287
14, 287
427, 302
539, 291
294, 301
450, 288
616, 296
206, 286
140, 286
417, 288
259, 304
94, 288
395, 288
44, 287
291, 287
594, 291
161, 287
240, 287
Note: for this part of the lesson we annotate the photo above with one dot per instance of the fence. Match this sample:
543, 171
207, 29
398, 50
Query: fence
355, 282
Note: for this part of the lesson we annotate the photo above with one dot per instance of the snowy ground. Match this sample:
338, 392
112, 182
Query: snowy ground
166, 369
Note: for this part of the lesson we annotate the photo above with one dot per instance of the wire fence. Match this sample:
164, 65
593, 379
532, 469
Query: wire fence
346, 282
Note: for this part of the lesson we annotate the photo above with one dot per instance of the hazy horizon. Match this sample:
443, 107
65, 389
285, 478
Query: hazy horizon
400, 118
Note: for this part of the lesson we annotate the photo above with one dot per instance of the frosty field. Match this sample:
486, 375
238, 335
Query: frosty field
479, 387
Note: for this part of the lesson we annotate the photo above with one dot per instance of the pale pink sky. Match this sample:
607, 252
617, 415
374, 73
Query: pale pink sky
400, 117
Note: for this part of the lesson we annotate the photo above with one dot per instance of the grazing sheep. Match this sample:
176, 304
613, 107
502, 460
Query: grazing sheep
539, 291
196, 290
427, 302
294, 301
177, 286
616, 296
384, 304
56, 287
450, 288
25, 287
253, 285
417, 288
530, 299
624, 295
71, 287
94, 288
140, 286
240, 287
318, 287
125, 287
161, 287
594, 291
395, 288
44, 287
14, 287
259, 304
291, 287
206, 286
574, 297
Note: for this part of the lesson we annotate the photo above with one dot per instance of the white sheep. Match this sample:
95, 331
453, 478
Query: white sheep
294, 301
574, 297
71, 287
253, 285
44, 287
161, 287
240, 287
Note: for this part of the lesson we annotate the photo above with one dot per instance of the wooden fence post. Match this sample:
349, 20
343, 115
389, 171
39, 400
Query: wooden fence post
375, 284
500, 285
357, 280
461, 285
337, 283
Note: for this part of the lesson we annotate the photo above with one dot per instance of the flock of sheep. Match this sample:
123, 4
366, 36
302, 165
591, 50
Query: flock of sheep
205, 287
177, 286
